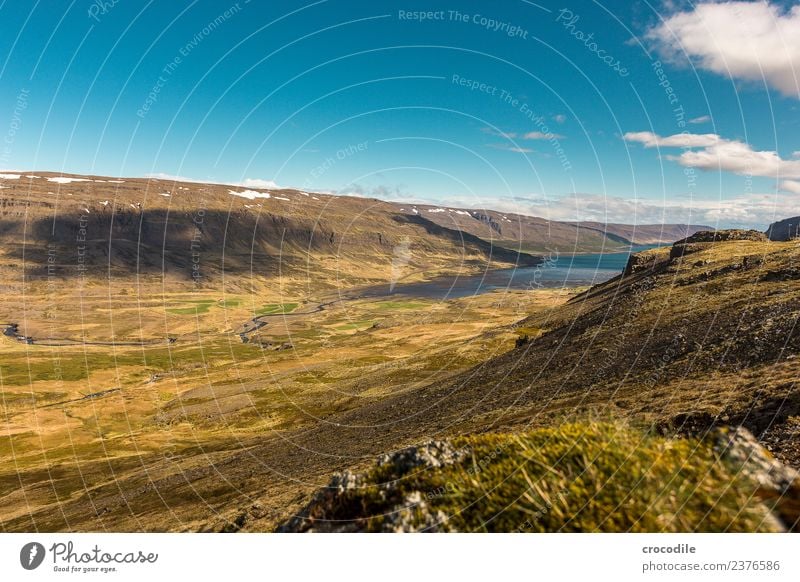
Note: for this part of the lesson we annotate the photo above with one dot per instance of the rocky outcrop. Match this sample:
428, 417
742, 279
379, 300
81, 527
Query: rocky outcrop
784, 230
485, 218
411, 513
640, 262
404, 491
700, 240
778, 485
707, 236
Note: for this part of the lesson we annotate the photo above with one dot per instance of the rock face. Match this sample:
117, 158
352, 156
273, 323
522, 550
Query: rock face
784, 230
640, 262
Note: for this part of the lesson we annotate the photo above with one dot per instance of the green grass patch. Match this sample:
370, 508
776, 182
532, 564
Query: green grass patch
198, 307
355, 325
76, 365
276, 308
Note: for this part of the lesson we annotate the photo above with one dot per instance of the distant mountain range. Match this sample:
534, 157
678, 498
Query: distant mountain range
180, 229
538, 235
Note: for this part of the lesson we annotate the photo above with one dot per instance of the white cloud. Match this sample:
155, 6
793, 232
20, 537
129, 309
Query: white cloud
792, 186
540, 135
511, 148
680, 140
527, 135
259, 183
752, 41
382, 192
701, 119
717, 153
740, 158
748, 211
560, 118
246, 183
496, 133
172, 177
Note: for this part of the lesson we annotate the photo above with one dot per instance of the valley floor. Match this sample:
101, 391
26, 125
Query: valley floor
124, 386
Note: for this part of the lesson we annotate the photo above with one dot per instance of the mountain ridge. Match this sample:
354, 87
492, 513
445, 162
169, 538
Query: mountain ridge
513, 231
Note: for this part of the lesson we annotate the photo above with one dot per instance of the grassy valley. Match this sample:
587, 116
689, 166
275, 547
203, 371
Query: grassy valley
198, 357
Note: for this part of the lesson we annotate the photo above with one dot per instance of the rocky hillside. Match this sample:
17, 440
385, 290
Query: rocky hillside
693, 339
784, 230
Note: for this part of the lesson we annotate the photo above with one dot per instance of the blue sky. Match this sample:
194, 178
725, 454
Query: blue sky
559, 110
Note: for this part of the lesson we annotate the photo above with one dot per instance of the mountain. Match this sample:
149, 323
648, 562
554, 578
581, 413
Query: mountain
194, 233
538, 235
189, 232
645, 234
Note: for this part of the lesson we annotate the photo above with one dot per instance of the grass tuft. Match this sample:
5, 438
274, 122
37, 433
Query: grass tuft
580, 477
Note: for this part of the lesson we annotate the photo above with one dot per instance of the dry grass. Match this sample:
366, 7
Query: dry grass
211, 388
579, 477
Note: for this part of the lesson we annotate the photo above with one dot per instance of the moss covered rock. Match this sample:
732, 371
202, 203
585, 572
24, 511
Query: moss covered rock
581, 477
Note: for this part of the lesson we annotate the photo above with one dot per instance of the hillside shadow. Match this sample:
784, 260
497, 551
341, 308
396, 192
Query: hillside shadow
461, 238
157, 241
192, 245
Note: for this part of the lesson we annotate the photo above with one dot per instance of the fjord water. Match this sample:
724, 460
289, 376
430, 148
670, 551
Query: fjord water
557, 271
